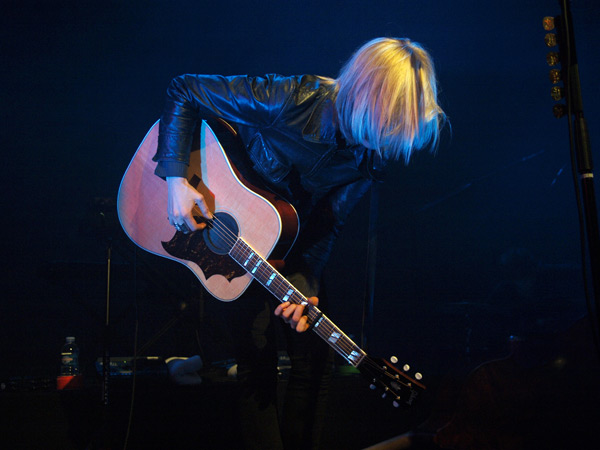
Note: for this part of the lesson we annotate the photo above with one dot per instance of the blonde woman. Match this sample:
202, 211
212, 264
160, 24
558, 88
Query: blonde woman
319, 143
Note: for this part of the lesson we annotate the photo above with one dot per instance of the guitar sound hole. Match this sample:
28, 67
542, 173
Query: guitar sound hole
221, 233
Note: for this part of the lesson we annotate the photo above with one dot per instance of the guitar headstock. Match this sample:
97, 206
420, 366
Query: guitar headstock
397, 384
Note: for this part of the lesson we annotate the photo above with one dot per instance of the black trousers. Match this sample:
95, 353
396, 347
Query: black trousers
253, 327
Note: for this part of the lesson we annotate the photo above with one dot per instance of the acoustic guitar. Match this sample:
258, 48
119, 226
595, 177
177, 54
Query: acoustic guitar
249, 225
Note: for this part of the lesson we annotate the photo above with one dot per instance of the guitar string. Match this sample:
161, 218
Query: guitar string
346, 345
327, 326
278, 282
342, 343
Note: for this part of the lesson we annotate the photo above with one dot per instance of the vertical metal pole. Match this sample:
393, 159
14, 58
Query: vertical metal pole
580, 138
106, 354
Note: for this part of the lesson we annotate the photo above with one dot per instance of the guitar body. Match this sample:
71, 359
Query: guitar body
260, 217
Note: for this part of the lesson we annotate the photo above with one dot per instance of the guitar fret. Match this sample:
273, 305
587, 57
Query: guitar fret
255, 268
339, 341
334, 336
260, 270
248, 260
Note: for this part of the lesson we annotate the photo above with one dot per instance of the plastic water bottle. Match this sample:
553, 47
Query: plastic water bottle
69, 358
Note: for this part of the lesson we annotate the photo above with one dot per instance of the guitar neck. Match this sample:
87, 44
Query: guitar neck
284, 291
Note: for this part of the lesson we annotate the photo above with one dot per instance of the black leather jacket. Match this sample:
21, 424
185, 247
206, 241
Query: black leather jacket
288, 127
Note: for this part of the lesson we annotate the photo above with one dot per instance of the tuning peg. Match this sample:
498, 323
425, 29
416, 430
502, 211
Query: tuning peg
406, 367
418, 376
395, 402
384, 395
372, 386
394, 360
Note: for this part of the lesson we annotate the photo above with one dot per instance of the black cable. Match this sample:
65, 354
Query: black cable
566, 35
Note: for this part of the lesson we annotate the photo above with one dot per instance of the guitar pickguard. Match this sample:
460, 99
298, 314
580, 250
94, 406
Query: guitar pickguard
192, 247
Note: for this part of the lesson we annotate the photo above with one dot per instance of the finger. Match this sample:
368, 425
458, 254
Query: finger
298, 313
313, 301
288, 312
203, 207
280, 308
302, 325
180, 225
190, 224
185, 228
176, 219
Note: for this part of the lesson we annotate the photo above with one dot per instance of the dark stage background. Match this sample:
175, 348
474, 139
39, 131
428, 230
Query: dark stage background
477, 243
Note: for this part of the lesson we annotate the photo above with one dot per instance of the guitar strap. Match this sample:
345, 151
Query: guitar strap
369, 297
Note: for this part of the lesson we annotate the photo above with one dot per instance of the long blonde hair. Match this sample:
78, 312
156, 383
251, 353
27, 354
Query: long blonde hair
387, 98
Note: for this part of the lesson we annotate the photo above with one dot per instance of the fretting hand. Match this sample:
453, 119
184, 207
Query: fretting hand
293, 314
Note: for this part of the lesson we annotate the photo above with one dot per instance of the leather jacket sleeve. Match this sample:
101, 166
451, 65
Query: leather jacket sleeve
242, 100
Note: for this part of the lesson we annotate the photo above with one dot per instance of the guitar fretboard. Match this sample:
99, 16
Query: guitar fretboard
281, 288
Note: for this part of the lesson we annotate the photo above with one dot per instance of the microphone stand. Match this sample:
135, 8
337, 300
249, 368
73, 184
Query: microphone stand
100, 224
106, 352
578, 133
